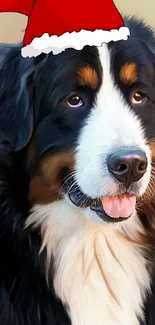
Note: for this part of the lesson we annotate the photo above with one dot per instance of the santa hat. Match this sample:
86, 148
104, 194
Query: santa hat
54, 26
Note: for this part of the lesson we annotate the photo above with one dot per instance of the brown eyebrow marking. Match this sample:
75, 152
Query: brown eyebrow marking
87, 76
129, 73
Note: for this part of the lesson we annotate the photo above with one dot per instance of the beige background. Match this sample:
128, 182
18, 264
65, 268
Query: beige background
12, 25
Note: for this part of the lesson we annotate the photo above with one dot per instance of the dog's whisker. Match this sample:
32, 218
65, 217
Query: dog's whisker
72, 185
152, 177
67, 178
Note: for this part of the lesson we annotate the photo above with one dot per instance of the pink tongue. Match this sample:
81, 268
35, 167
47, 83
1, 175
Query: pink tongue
119, 207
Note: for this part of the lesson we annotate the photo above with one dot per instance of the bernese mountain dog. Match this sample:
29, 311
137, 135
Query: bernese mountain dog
77, 184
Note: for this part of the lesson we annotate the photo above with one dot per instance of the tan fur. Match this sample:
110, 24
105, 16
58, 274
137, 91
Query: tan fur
87, 77
101, 277
129, 73
146, 202
152, 147
41, 192
46, 184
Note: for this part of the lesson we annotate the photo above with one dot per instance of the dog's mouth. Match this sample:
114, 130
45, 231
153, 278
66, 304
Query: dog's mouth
110, 208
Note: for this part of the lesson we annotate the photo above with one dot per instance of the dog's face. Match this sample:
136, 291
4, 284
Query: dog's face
95, 146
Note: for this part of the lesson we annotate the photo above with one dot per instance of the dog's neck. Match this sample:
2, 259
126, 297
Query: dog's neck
100, 270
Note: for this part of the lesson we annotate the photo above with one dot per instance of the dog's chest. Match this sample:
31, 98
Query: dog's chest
100, 277
102, 280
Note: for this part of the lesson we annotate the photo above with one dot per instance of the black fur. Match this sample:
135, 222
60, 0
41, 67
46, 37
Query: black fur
31, 95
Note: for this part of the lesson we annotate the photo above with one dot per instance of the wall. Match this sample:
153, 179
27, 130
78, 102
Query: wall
141, 8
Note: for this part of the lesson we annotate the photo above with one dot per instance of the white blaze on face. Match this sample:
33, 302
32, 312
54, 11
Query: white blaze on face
111, 126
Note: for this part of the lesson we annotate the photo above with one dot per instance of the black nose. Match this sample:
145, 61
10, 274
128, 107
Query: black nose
127, 167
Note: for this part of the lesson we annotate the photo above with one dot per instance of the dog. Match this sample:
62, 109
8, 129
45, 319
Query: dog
77, 180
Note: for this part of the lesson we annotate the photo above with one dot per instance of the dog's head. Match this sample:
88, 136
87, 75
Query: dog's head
94, 145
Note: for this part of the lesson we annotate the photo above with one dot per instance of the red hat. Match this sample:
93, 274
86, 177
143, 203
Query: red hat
55, 26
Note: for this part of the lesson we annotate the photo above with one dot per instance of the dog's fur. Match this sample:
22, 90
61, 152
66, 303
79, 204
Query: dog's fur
62, 264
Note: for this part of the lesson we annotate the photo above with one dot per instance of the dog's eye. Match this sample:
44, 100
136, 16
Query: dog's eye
75, 101
138, 97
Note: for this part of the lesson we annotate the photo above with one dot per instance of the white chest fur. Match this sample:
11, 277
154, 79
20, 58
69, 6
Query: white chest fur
101, 277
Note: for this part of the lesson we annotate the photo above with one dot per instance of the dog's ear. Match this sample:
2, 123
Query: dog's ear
16, 113
150, 49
